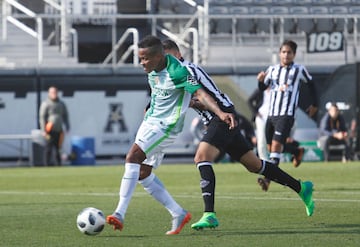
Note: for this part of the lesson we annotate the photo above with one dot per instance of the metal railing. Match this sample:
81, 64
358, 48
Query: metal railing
181, 41
65, 30
15, 19
132, 48
202, 38
6, 17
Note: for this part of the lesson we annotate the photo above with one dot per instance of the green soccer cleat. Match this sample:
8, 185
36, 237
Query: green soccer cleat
306, 195
208, 220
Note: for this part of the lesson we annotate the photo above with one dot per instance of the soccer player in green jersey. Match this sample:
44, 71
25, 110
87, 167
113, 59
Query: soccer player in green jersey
172, 86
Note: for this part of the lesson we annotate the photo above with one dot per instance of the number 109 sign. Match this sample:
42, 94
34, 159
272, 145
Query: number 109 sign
325, 42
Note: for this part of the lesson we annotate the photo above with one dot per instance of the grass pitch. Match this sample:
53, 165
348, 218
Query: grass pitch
39, 206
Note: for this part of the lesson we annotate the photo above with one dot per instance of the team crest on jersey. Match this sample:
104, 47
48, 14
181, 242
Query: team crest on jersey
157, 80
192, 80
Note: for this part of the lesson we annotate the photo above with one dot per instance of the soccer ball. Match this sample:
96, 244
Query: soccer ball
90, 221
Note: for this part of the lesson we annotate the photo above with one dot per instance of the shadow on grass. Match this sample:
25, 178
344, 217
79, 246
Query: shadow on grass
124, 236
325, 229
219, 233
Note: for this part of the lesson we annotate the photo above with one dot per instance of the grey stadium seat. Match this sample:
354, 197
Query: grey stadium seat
243, 25
243, 2
339, 23
289, 23
356, 10
262, 24
302, 2
220, 25
262, 2
321, 2
302, 24
342, 2
322, 24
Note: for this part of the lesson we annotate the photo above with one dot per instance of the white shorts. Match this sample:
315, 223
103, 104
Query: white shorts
153, 140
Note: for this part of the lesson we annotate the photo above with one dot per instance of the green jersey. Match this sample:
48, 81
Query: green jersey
171, 91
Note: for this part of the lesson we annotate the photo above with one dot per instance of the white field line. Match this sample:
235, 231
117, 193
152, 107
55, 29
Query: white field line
140, 194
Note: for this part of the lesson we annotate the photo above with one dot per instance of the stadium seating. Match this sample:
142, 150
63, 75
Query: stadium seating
262, 24
301, 3
255, 22
339, 23
243, 25
288, 24
302, 24
220, 25
322, 24
302, 8
342, 2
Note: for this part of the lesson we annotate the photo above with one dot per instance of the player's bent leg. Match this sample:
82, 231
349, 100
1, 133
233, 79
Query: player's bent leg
208, 220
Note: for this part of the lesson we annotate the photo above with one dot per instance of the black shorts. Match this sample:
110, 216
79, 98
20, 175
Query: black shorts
227, 141
278, 128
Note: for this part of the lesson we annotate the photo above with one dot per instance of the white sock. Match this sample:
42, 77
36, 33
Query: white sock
127, 187
154, 187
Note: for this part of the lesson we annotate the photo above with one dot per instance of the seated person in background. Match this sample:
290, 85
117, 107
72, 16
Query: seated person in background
333, 131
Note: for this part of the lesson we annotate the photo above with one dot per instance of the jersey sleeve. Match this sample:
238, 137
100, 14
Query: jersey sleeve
182, 76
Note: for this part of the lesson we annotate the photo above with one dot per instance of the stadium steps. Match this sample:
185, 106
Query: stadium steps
21, 50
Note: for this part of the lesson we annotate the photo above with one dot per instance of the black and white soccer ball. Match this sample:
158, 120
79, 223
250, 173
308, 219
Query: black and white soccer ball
90, 221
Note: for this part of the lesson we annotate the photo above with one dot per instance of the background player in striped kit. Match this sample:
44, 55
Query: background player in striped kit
220, 139
284, 80
259, 104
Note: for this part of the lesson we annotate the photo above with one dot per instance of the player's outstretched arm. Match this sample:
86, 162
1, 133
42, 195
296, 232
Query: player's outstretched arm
261, 77
210, 104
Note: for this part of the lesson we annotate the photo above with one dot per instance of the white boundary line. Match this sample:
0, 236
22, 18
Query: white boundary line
139, 194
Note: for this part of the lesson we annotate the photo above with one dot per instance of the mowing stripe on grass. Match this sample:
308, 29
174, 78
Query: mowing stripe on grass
140, 194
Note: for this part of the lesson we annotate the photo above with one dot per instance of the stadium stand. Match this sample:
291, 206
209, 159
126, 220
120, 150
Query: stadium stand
302, 25
262, 24
231, 28
244, 25
322, 24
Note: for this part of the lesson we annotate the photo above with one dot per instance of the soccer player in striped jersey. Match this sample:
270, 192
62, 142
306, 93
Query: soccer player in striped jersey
259, 104
284, 80
172, 86
220, 139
